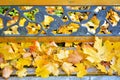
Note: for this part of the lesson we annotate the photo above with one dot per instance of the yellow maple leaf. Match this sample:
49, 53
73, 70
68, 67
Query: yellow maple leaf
81, 71
116, 46
8, 53
68, 68
98, 43
22, 72
14, 47
108, 50
42, 71
2, 65
92, 54
11, 56
104, 49
101, 68
63, 54
99, 52
39, 61
26, 44
23, 62
53, 68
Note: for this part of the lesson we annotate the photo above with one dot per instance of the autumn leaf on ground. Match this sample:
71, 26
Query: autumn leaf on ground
11, 56
42, 72
37, 44
32, 48
23, 62
14, 47
53, 68
99, 52
101, 68
92, 54
75, 57
7, 71
116, 46
8, 53
3, 65
68, 68
98, 44
80, 68
108, 51
22, 72
27, 54
39, 61
26, 44
62, 54
104, 49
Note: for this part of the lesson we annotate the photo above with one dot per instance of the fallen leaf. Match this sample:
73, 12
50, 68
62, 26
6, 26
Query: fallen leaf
7, 71
21, 73
42, 72
81, 71
68, 68
53, 68
75, 57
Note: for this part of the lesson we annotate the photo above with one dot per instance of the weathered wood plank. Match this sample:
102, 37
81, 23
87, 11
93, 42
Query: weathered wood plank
104, 78
58, 39
50, 78
59, 2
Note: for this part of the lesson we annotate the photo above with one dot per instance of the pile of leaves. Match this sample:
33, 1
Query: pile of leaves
50, 58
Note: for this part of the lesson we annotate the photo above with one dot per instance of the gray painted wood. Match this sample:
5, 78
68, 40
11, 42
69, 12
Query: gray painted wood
66, 78
50, 78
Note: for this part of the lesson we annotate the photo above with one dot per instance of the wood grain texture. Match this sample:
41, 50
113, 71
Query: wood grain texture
60, 2
58, 39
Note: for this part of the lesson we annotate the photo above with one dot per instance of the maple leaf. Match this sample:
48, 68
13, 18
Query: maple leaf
27, 54
32, 48
42, 71
39, 61
62, 54
101, 68
44, 47
80, 68
7, 71
37, 44
7, 52
26, 44
53, 68
99, 52
3, 65
104, 50
116, 46
68, 67
14, 47
108, 50
98, 44
75, 57
92, 54
23, 62
22, 72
